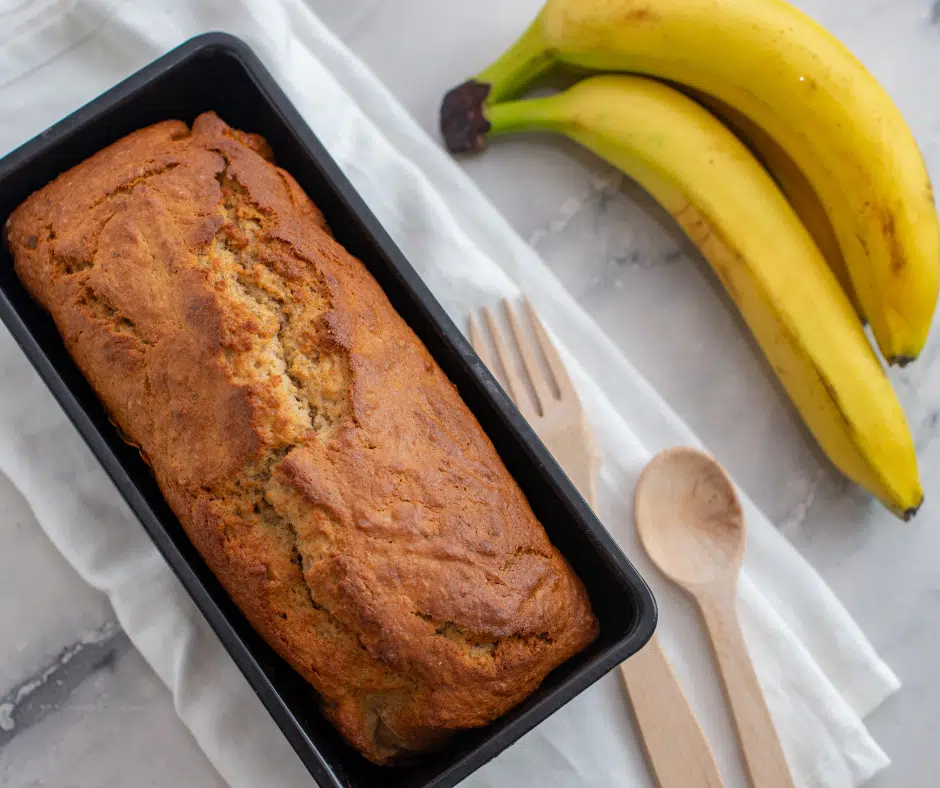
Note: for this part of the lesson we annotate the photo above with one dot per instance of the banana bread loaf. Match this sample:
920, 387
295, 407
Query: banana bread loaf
316, 455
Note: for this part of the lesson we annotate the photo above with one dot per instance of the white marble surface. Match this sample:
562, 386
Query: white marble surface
94, 715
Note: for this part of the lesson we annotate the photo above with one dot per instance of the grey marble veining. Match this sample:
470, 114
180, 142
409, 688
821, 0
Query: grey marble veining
44, 605
79, 708
117, 729
31, 701
110, 722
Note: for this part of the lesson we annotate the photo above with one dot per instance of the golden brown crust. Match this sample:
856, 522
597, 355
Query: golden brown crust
313, 450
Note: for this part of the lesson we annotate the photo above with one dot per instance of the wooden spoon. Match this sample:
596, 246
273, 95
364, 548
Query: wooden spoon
690, 522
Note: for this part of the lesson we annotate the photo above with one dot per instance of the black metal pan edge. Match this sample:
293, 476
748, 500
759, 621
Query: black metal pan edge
323, 771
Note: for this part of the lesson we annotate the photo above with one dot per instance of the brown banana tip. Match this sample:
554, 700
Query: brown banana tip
911, 513
463, 124
901, 361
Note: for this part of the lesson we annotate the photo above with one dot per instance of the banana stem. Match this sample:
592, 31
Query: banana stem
464, 109
539, 114
467, 121
515, 69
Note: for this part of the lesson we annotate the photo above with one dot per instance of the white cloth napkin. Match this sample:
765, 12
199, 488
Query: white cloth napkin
820, 674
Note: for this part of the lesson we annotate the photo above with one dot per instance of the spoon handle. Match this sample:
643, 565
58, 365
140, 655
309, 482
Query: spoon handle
763, 753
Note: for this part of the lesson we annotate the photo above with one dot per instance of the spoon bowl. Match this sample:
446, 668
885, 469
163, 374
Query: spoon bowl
689, 517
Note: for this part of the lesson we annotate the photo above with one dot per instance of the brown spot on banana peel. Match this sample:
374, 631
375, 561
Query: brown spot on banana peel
886, 219
726, 280
645, 14
905, 514
833, 395
898, 263
463, 124
700, 231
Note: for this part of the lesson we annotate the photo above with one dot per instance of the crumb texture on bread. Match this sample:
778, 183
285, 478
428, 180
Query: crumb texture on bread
315, 453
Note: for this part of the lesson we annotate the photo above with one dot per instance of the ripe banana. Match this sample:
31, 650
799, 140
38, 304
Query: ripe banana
794, 185
731, 209
801, 86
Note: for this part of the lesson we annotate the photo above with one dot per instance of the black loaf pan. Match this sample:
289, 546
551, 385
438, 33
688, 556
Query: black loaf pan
219, 72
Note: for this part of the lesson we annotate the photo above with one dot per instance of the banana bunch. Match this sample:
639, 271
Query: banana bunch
786, 164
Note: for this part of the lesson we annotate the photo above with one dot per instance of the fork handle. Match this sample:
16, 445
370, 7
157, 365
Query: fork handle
675, 745
673, 740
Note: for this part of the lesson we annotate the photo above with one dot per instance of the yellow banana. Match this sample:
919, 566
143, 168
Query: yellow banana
730, 207
803, 88
794, 185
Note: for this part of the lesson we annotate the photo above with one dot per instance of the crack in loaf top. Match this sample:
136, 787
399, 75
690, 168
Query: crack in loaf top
314, 451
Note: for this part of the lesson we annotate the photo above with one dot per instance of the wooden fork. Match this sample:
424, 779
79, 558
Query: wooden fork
676, 748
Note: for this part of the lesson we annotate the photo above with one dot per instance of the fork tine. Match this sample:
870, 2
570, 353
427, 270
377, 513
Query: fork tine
479, 345
555, 364
543, 393
516, 389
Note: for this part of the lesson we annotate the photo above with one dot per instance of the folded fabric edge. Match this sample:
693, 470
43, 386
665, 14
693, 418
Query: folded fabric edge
863, 761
